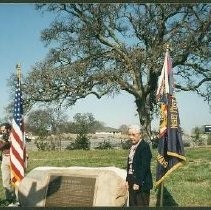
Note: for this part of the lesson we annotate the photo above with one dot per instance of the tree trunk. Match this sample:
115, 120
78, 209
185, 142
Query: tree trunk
144, 116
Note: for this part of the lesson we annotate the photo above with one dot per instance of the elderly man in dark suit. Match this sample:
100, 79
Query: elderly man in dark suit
139, 177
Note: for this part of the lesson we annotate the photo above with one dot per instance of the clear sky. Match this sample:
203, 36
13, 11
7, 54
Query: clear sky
20, 42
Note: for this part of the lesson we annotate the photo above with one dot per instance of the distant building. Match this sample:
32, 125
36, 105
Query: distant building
108, 131
29, 137
207, 128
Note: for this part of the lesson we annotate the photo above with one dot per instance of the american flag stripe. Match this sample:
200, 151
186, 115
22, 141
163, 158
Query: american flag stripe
165, 79
16, 172
160, 84
17, 154
18, 143
166, 67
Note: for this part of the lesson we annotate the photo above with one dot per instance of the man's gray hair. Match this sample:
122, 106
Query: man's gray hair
135, 127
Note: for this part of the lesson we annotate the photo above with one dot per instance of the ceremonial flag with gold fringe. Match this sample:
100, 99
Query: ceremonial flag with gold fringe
170, 146
18, 147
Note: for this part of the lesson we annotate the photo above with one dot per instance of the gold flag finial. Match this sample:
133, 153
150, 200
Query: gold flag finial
167, 47
18, 69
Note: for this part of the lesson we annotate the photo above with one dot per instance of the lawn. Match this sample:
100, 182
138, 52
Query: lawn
188, 186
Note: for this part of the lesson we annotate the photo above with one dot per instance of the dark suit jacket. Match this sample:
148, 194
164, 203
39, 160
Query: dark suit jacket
141, 167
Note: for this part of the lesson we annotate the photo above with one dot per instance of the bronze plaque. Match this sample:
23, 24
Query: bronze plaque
69, 191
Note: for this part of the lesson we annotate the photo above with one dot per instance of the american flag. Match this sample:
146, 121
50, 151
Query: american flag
17, 150
170, 146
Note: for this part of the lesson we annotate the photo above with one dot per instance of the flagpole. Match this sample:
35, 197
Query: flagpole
161, 194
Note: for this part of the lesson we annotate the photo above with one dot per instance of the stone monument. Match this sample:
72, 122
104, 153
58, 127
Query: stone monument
73, 187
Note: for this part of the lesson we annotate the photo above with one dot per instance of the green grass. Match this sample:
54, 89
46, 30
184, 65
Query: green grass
188, 186
91, 158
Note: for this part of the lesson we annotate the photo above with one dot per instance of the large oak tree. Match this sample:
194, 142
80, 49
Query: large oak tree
103, 49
